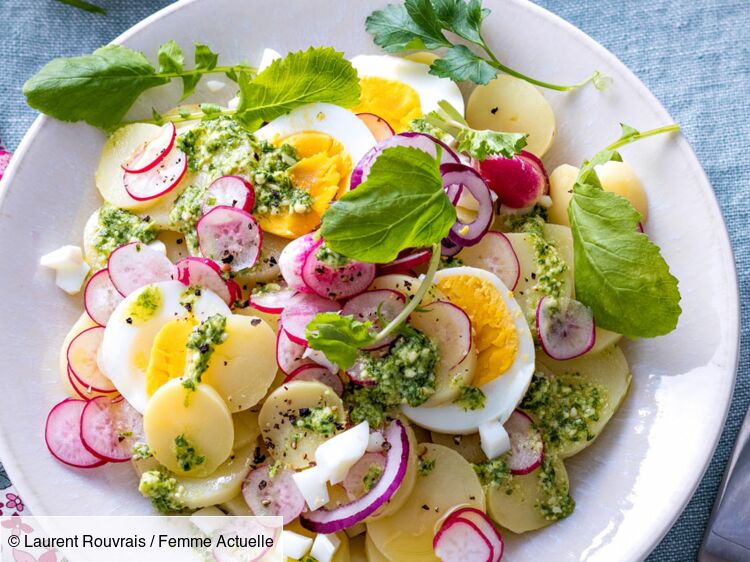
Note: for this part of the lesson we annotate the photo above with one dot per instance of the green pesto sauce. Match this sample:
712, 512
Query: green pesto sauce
148, 302
118, 227
202, 342
420, 125
447, 263
274, 191
371, 477
470, 398
185, 214
163, 491
555, 502
494, 473
551, 267
186, 454
320, 420
274, 467
330, 257
364, 404
141, 451
426, 466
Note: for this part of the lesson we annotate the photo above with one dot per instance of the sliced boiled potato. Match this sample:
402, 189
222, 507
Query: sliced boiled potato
200, 416
246, 429
603, 340
267, 268
184, 109
406, 285
158, 213
271, 319
175, 243
407, 534
357, 551
515, 506
342, 552
84, 322
561, 182
372, 552
291, 445
607, 369
236, 506
243, 367
468, 446
513, 105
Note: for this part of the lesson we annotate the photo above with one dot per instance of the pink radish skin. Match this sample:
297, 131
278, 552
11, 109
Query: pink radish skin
300, 310
277, 496
406, 261
272, 302
235, 292
202, 272
151, 153
82, 353
526, 445
292, 260
565, 327
365, 306
378, 126
354, 482
467, 177
230, 236
104, 425
317, 373
337, 282
86, 392
289, 355
229, 191
62, 433
460, 540
485, 526
519, 182
494, 253
100, 297
159, 180
136, 265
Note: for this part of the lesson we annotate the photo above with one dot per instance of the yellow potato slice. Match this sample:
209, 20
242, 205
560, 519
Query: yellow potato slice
271, 319
357, 552
603, 340
468, 446
96, 259
200, 416
561, 182
175, 244
246, 429
236, 506
372, 552
342, 552
267, 268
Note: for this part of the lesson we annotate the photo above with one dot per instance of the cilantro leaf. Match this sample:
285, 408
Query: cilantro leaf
339, 337
460, 64
170, 57
401, 205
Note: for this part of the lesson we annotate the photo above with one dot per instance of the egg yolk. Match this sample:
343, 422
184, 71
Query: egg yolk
394, 101
323, 170
169, 353
495, 332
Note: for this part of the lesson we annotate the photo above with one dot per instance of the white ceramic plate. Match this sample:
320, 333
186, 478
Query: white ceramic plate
630, 486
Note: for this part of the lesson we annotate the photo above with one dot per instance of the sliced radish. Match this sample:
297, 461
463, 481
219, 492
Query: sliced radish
566, 327
354, 483
151, 153
459, 540
494, 253
272, 302
301, 309
159, 180
356, 375
318, 374
372, 306
292, 260
109, 429
468, 234
378, 126
136, 265
289, 355
519, 182
485, 526
337, 282
62, 434
326, 520
82, 354
230, 236
406, 261
235, 292
526, 445
101, 297
449, 327
277, 496
202, 272
229, 191
86, 392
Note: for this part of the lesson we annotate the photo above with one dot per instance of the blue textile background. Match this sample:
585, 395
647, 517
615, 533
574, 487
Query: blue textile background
693, 54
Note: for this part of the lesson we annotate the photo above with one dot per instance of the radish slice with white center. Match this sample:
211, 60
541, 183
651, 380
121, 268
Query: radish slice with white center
272, 302
136, 265
494, 253
449, 327
317, 373
565, 327
407, 260
229, 191
292, 260
230, 236
100, 297
326, 520
354, 483
151, 153
82, 354
372, 306
289, 355
470, 233
526, 445
110, 429
301, 309
235, 292
86, 392
484, 525
277, 496
62, 433
519, 182
202, 272
159, 180
337, 282
378, 126
459, 540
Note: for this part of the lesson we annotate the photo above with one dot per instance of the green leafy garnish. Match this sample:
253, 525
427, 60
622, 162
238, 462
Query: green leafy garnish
619, 273
85, 6
421, 24
339, 337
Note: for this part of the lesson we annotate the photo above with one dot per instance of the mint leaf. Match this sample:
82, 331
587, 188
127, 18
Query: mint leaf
481, 144
170, 57
461, 64
339, 337
401, 205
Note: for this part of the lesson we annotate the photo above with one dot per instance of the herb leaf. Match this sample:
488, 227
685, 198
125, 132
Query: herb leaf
460, 64
170, 57
393, 29
205, 61
429, 27
401, 205
339, 337
464, 19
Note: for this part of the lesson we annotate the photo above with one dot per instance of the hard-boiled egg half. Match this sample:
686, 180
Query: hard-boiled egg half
505, 351
329, 141
401, 90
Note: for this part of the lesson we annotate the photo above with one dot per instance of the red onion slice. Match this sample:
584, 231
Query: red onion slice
470, 233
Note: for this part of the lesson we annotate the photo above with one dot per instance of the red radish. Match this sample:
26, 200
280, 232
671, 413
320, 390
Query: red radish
82, 353
526, 445
519, 181
470, 233
289, 355
292, 260
318, 374
459, 540
230, 236
407, 260
374, 305
202, 272
277, 496
272, 302
136, 265
62, 434
565, 327
356, 375
300, 310
152, 152
448, 326
354, 483
100, 297
494, 253
235, 292
326, 520
109, 429
229, 191
378, 126
159, 180
86, 392
337, 282
484, 525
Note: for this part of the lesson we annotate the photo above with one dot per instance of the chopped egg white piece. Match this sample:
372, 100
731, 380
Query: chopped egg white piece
493, 439
295, 545
215, 85
320, 358
312, 485
337, 455
375, 442
201, 520
70, 267
159, 246
324, 547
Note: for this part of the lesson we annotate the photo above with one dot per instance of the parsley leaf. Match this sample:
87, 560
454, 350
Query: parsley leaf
339, 337
463, 18
393, 29
460, 64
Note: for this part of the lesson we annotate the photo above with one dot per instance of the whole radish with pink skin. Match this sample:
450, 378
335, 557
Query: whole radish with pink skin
519, 182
